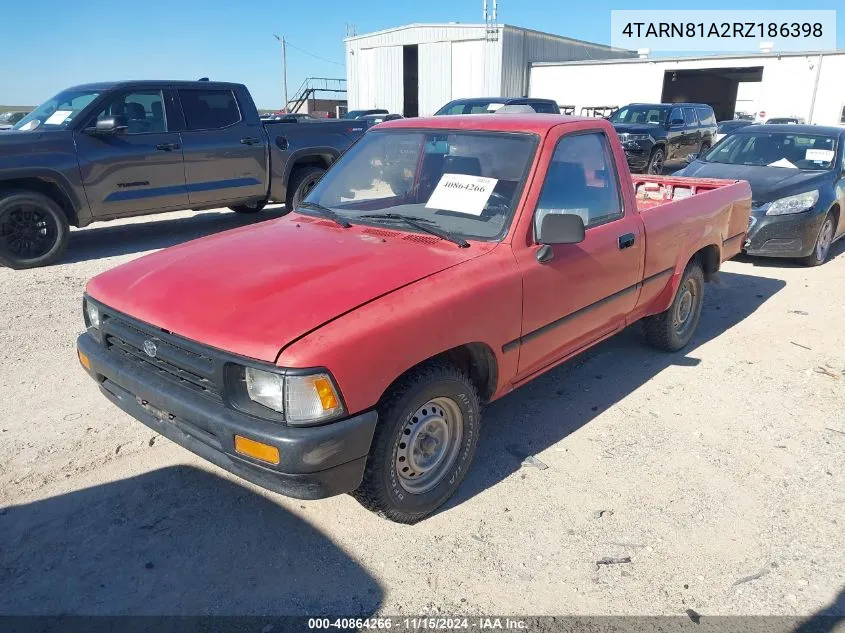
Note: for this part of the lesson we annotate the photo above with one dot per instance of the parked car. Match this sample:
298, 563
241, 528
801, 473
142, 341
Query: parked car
297, 117
8, 119
779, 119
797, 177
374, 119
113, 150
491, 104
350, 345
661, 136
357, 114
727, 127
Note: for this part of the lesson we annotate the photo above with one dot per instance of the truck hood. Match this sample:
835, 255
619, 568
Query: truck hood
767, 183
253, 290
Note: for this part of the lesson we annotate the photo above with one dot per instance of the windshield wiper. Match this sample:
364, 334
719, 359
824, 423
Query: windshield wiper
327, 213
422, 224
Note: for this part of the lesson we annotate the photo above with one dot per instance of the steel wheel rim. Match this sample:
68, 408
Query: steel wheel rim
688, 296
657, 163
825, 238
429, 444
27, 232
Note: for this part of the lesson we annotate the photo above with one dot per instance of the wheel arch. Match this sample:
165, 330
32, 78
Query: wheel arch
47, 187
476, 360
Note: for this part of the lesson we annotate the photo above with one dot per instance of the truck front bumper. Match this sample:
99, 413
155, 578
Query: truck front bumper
315, 462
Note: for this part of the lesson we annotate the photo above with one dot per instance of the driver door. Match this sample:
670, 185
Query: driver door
140, 170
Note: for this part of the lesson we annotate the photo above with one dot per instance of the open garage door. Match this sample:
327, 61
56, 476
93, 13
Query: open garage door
716, 87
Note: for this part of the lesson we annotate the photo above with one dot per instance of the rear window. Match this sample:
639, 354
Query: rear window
209, 109
705, 115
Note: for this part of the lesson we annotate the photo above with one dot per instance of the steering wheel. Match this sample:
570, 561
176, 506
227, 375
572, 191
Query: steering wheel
497, 203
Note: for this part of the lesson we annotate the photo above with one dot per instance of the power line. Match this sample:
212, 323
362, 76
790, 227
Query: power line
330, 61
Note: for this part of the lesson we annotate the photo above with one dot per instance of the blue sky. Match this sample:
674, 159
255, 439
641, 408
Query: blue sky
54, 43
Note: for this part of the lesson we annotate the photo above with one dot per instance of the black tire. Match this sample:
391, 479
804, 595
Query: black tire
821, 249
301, 182
656, 161
33, 230
391, 493
672, 329
255, 207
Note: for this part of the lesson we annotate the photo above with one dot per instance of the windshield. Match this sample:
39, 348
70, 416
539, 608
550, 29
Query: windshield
58, 112
777, 149
655, 115
466, 183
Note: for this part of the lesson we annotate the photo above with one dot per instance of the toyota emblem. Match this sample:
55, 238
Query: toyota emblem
150, 348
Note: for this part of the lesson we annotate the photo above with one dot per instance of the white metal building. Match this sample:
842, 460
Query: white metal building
805, 85
416, 69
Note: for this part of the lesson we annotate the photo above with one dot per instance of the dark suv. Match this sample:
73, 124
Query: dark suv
662, 136
486, 105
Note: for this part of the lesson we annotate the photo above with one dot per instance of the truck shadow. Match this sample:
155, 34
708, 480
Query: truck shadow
175, 541
104, 240
554, 405
826, 620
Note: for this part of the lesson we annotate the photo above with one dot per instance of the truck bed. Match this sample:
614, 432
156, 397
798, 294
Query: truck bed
653, 191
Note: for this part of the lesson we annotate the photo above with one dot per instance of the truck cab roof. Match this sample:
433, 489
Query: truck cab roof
177, 83
516, 122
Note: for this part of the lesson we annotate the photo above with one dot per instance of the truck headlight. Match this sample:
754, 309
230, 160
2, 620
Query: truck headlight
302, 399
92, 315
266, 388
793, 204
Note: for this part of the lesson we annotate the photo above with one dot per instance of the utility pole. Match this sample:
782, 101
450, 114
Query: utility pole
281, 41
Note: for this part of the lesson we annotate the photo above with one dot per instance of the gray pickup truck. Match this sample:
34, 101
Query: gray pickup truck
113, 150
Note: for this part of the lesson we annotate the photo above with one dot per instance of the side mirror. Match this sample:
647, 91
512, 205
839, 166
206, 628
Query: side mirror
676, 123
561, 228
109, 125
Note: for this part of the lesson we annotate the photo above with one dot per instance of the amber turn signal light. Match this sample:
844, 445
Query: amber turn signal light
83, 360
256, 450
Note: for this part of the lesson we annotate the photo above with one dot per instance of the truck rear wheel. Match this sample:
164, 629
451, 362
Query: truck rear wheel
254, 207
302, 181
33, 230
423, 445
672, 329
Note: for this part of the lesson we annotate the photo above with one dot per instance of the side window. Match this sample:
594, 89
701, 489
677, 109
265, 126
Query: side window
705, 115
209, 109
676, 114
581, 180
543, 108
144, 111
689, 117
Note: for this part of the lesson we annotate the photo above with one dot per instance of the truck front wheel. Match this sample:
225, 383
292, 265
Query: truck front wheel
672, 329
423, 445
33, 230
302, 181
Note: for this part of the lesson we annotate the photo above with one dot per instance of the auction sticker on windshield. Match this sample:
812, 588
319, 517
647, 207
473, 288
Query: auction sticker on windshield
822, 155
461, 193
58, 117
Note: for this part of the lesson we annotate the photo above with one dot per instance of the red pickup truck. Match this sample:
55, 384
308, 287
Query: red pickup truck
437, 266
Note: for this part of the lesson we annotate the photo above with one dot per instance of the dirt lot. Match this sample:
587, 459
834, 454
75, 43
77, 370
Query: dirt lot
718, 472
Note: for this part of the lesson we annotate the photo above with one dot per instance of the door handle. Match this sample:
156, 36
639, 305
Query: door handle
627, 240
250, 140
166, 147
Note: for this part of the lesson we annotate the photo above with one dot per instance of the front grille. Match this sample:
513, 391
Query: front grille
172, 359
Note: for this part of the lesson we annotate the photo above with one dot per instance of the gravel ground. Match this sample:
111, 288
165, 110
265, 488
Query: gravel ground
710, 479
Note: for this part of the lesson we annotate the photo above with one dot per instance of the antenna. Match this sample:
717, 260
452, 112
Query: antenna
492, 26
